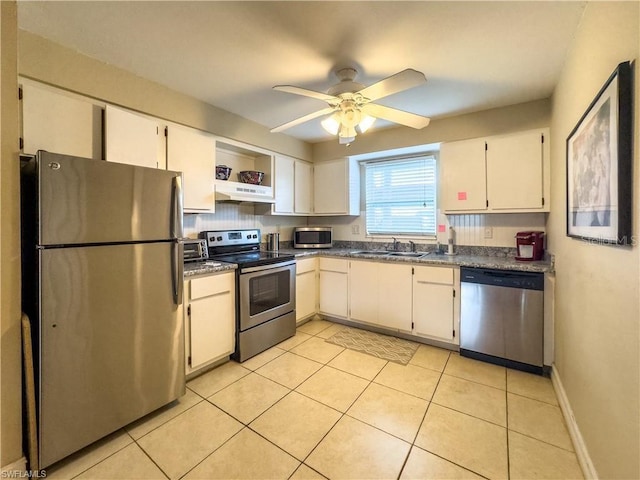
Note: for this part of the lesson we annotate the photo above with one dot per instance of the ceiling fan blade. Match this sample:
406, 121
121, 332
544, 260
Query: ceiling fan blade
396, 116
306, 118
403, 80
307, 93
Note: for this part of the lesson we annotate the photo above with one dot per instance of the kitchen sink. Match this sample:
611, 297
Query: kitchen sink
387, 253
408, 254
371, 252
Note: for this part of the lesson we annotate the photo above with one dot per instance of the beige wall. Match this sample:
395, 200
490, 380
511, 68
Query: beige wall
48, 62
10, 351
597, 287
497, 121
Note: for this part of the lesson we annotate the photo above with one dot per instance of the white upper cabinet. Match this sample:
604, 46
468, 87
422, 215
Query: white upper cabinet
463, 177
134, 139
516, 171
498, 174
337, 187
293, 186
192, 152
303, 191
284, 185
61, 123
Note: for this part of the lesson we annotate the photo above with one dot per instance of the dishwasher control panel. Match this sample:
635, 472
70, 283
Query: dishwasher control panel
503, 278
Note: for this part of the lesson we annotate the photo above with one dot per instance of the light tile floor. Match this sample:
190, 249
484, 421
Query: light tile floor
307, 409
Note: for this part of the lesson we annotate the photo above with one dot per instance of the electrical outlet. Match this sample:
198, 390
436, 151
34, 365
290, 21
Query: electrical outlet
488, 232
355, 229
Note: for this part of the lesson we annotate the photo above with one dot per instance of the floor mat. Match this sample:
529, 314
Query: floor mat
382, 346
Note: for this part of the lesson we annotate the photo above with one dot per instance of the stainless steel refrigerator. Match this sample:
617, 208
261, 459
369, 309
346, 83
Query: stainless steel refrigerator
102, 285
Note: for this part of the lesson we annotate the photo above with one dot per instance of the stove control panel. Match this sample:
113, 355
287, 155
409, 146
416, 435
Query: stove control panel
231, 238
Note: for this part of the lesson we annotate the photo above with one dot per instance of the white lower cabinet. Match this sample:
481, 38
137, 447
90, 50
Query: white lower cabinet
434, 303
209, 319
380, 294
334, 287
306, 288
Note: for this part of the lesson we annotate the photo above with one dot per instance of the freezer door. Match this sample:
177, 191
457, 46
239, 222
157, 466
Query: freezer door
111, 341
84, 201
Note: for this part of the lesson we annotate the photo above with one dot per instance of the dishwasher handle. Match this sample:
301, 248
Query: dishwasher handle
503, 278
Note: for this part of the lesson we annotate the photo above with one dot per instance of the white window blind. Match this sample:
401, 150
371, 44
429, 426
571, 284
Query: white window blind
401, 196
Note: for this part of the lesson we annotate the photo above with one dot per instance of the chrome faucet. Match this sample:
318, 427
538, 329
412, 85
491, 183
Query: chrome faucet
413, 245
396, 244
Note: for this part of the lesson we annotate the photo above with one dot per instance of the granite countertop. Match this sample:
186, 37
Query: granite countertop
192, 269
482, 261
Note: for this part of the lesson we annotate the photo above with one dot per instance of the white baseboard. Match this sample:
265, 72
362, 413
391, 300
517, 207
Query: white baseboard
19, 465
580, 447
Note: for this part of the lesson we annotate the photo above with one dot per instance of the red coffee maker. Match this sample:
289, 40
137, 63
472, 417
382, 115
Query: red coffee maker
530, 246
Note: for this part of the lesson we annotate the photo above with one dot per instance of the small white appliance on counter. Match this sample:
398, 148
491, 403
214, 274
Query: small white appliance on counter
313, 237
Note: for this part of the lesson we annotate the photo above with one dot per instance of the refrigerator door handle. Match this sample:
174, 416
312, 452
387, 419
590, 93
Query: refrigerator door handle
176, 211
177, 267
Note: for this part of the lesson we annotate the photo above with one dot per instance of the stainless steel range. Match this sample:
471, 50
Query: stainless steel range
265, 286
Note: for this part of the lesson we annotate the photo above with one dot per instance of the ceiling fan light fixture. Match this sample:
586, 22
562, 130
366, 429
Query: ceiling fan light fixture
331, 124
366, 123
347, 131
346, 140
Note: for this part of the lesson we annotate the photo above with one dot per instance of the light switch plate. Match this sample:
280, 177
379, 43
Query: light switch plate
488, 232
355, 229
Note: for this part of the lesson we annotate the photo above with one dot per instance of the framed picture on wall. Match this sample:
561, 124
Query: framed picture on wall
599, 161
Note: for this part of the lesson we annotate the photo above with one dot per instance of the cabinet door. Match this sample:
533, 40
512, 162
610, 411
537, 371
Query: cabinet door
59, 123
306, 295
334, 287
515, 171
363, 292
133, 139
330, 187
433, 302
463, 174
303, 198
394, 296
193, 153
212, 323
284, 184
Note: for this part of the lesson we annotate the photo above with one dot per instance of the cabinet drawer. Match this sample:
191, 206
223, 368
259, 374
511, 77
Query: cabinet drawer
211, 285
442, 275
306, 265
334, 265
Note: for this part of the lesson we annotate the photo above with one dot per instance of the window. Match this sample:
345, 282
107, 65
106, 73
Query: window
401, 196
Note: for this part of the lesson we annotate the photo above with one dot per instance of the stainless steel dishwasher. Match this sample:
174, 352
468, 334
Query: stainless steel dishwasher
502, 317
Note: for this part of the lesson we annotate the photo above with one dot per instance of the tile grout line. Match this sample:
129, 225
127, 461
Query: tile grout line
415, 437
413, 444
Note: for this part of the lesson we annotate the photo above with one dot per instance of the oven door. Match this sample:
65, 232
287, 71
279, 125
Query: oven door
266, 292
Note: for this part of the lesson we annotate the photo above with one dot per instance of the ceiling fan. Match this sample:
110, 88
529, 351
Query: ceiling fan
350, 110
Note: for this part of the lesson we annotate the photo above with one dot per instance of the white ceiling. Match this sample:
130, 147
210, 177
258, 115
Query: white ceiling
475, 55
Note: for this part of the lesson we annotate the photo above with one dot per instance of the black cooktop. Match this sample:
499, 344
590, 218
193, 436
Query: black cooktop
253, 259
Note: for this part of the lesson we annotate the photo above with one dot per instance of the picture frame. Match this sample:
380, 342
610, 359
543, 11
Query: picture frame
599, 163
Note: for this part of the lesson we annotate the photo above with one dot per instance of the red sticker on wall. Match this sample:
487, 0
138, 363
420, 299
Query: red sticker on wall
462, 195
442, 228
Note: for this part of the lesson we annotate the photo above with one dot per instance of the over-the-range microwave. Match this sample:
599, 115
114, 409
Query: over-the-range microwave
312, 237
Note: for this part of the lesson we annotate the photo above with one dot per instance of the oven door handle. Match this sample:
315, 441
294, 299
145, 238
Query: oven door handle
272, 266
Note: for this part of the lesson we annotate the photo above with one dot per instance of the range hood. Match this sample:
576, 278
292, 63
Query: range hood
227, 191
